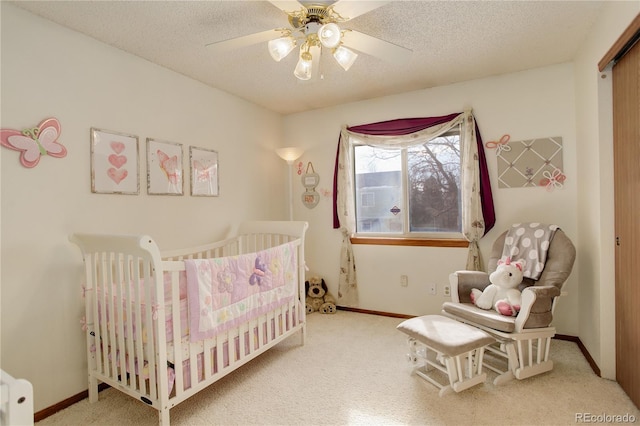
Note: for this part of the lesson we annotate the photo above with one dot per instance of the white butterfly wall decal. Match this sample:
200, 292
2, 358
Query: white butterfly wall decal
35, 142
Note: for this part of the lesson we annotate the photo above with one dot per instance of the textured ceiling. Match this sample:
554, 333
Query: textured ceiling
451, 41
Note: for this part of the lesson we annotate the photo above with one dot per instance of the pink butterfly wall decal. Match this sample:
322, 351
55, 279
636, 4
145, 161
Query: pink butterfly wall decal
169, 166
35, 142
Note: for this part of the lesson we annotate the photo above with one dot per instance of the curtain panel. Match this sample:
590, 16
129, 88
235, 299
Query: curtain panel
478, 215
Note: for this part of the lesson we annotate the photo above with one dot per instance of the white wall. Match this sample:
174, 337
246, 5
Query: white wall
48, 71
595, 195
531, 104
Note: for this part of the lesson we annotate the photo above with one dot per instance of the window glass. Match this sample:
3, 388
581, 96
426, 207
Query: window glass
379, 176
434, 185
409, 192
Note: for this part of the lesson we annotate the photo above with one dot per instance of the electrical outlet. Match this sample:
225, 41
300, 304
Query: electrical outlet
447, 290
404, 280
433, 289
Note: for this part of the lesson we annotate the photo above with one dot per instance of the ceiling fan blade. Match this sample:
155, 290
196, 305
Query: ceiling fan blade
287, 6
244, 41
350, 9
373, 46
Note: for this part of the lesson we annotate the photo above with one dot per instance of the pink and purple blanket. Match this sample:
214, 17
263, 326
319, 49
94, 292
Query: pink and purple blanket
227, 291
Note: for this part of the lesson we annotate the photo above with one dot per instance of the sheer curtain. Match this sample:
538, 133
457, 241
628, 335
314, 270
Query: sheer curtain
478, 215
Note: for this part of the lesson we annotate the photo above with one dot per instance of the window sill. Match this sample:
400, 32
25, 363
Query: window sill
414, 242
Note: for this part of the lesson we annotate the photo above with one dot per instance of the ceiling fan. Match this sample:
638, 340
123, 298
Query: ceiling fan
314, 25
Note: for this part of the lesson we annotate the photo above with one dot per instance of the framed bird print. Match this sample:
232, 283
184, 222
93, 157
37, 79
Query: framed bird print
164, 168
114, 163
204, 172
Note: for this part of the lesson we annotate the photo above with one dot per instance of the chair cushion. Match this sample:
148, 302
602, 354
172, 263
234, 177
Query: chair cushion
487, 318
445, 335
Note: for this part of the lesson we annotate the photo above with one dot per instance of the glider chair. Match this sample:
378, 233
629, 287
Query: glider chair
522, 342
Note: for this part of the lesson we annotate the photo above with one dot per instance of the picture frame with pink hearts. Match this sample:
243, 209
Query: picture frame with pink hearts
114, 163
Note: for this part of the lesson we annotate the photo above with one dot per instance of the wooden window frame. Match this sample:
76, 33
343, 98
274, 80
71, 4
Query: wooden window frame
410, 242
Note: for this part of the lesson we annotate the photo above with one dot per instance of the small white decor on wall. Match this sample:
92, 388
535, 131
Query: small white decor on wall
114, 163
164, 168
204, 172
310, 198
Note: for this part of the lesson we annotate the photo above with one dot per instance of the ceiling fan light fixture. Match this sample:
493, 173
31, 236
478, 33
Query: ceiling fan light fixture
279, 48
329, 35
303, 68
345, 57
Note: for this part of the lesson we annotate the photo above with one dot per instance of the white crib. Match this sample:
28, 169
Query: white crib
144, 349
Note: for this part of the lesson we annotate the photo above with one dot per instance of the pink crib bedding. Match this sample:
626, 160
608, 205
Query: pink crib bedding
228, 291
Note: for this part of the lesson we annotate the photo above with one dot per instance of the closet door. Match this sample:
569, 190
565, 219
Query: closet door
626, 133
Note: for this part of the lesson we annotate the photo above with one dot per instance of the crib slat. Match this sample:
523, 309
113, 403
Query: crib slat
112, 316
150, 338
253, 334
272, 325
261, 331
177, 331
137, 313
91, 317
97, 321
193, 364
242, 347
208, 359
130, 300
231, 349
280, 320
120, 319
178, 367
219, 354
100, 314
234, 347
288, 321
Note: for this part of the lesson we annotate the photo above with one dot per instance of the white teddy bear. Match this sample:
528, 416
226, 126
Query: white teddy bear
502, 294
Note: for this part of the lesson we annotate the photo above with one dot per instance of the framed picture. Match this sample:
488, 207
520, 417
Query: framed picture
204, 172
164, 168
114, 163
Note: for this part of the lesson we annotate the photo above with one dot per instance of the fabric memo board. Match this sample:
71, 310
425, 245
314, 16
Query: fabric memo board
524, 163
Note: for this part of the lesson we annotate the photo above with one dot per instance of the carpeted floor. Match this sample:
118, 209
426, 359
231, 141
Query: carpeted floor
353, 371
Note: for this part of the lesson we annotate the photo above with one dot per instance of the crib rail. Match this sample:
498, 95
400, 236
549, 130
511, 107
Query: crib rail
16, 401
129, 344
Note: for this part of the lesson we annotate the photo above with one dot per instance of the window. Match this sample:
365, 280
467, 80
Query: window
412, 191
414, 167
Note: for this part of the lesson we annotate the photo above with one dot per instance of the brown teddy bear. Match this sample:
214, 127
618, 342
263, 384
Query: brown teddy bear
318, 297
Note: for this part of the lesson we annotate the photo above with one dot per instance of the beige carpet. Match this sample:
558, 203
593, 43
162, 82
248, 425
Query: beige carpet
353, 371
